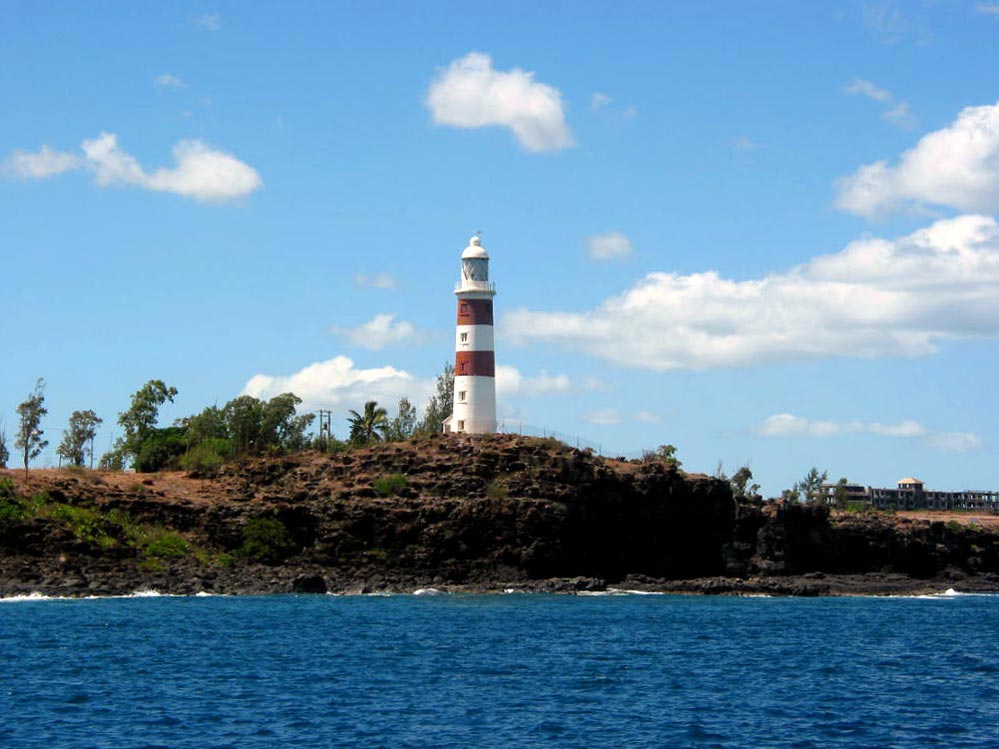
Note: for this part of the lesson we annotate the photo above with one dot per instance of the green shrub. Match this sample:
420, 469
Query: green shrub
953, 526
12, 512
86, 524
387, 485
266, 540
167, 545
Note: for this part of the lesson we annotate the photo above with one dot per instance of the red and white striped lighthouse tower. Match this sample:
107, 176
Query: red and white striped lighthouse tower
474, 409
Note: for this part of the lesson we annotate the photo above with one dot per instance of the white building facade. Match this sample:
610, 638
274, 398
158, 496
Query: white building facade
474, 406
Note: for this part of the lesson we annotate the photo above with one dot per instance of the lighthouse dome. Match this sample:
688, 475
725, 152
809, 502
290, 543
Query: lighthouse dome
474, 249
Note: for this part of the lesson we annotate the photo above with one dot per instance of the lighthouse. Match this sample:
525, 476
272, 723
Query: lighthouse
474, 410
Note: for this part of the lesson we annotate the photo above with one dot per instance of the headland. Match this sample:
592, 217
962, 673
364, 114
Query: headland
462, 513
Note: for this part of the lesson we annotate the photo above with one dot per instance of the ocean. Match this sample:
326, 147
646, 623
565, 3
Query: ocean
499, 671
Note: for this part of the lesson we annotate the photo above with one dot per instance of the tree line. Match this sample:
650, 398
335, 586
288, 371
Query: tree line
203, 441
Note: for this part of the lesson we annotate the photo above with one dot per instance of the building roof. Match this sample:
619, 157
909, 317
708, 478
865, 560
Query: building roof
910, 481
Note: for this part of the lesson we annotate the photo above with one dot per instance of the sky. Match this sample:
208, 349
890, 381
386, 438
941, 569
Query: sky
767, 234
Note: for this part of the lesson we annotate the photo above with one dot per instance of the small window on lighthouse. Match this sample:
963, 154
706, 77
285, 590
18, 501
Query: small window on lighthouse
461, 396
461, 426
464, 337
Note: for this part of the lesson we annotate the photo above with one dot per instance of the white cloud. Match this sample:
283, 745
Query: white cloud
511, 383
956, 442
46, 163
904, 429
955, 167
869, 89
897, 113
201, 172
376, 281
471, 94
383, 330
875, 298
209, 21
648, 417
599, 101
901, 116
168, 81
337, 382
608, 246
789, 425
603, 417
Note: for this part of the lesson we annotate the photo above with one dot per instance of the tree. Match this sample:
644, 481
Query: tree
404, 424
243, 417
369, 426
4, 452
29, 435
440, 404
741, 487
82, 430
810, 487
839, 494
280, 427
667, 454
139, 421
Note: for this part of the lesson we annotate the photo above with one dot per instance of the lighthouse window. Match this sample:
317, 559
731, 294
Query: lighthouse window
464, 337
461, 426
461, 395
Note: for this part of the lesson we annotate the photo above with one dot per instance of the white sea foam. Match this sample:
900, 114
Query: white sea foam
28, 597
427, 592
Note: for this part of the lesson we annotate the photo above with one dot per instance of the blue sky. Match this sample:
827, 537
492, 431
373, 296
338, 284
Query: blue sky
765, 234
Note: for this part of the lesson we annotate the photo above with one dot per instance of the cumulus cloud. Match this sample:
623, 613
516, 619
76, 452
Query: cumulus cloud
608, 246
789, 425
337, 382
955, 167
383, 330
511, 383
469, 93
168, 81
45, 163
875, 298
375, 281
200, 172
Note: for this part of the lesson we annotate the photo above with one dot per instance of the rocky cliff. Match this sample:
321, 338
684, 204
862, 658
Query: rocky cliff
483, 513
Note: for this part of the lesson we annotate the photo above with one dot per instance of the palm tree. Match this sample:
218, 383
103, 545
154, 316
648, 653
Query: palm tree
370, 426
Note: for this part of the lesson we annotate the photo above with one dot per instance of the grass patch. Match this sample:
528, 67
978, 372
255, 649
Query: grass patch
497, 489
389, 485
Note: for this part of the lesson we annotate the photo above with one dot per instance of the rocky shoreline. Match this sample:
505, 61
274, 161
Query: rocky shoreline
489, 514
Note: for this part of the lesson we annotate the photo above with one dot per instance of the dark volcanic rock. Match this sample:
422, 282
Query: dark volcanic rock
485, 512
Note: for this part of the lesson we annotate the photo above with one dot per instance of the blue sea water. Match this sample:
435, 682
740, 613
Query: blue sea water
499, 671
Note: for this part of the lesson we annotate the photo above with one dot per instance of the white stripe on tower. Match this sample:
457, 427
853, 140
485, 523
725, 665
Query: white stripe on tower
474, 408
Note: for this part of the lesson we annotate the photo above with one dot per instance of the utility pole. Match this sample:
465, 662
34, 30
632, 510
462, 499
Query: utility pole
325, 428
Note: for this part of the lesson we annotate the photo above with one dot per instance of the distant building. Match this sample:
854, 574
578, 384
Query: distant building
911, 494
